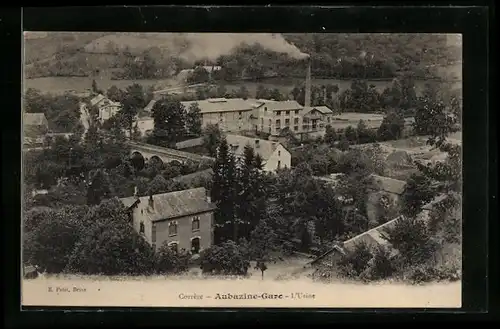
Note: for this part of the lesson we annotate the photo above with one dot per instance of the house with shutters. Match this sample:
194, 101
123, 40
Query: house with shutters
184, 220
106, 107
274, 155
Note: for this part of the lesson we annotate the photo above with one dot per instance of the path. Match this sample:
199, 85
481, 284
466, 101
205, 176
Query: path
288, 268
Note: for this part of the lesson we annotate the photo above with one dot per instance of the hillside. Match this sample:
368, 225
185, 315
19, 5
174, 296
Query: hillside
161, 55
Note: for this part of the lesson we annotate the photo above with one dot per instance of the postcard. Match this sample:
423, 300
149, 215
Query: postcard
242, 170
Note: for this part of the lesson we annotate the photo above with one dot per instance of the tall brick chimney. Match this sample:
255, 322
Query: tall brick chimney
307, 102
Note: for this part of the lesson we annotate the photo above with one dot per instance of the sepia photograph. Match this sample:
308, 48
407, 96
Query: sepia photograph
242, 170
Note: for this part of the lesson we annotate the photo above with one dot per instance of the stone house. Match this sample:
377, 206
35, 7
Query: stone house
384, 193
183, 219
273, 154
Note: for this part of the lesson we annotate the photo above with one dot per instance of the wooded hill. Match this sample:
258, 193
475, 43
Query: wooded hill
147, 56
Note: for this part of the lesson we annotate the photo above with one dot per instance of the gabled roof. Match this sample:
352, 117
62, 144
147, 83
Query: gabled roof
387, 184
321, 109
99, 98
172, 205
34, 119
223, 104
373, 237
150, 105
96, 99
283, 105
399, 157
264, 148
206, 174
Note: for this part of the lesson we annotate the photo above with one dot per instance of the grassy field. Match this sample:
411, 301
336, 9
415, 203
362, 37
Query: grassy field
61, 84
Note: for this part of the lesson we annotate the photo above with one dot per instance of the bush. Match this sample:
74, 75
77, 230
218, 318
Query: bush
226, 259
170, 261
356, 262
382, 265
429, 273
412, 238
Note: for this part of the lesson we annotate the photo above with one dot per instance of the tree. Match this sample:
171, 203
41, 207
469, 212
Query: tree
95, 88
364, 134
212, 138
226, 259
261, 265
115, 94
412, 238
132, 104
357, 260
263, 240
251, 193
109, 245
223, 194
350, 134
199, 75
392, 127
276, 95
330, 135
418, 192
98, 188
382, 266
169, 118
262, 92
158, 185
242, 92
194, 120
50, 243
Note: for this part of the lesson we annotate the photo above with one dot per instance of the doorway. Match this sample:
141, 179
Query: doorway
195, 245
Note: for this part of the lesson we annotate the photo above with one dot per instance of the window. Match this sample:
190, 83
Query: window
278, 123
296, 111
296, 128
172, 228
296, 121
304, 127
279, 153
278, 112
220, 114
328, 119
153, 233
287, 122
239, 113
265, 108
141, 228
279, 164
195, 225
287, 112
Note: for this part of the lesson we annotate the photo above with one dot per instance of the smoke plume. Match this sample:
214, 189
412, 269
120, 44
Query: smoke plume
195, 46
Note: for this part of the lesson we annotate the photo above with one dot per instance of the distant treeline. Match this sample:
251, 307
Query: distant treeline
339, 56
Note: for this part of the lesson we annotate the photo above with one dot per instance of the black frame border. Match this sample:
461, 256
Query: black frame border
478, 132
